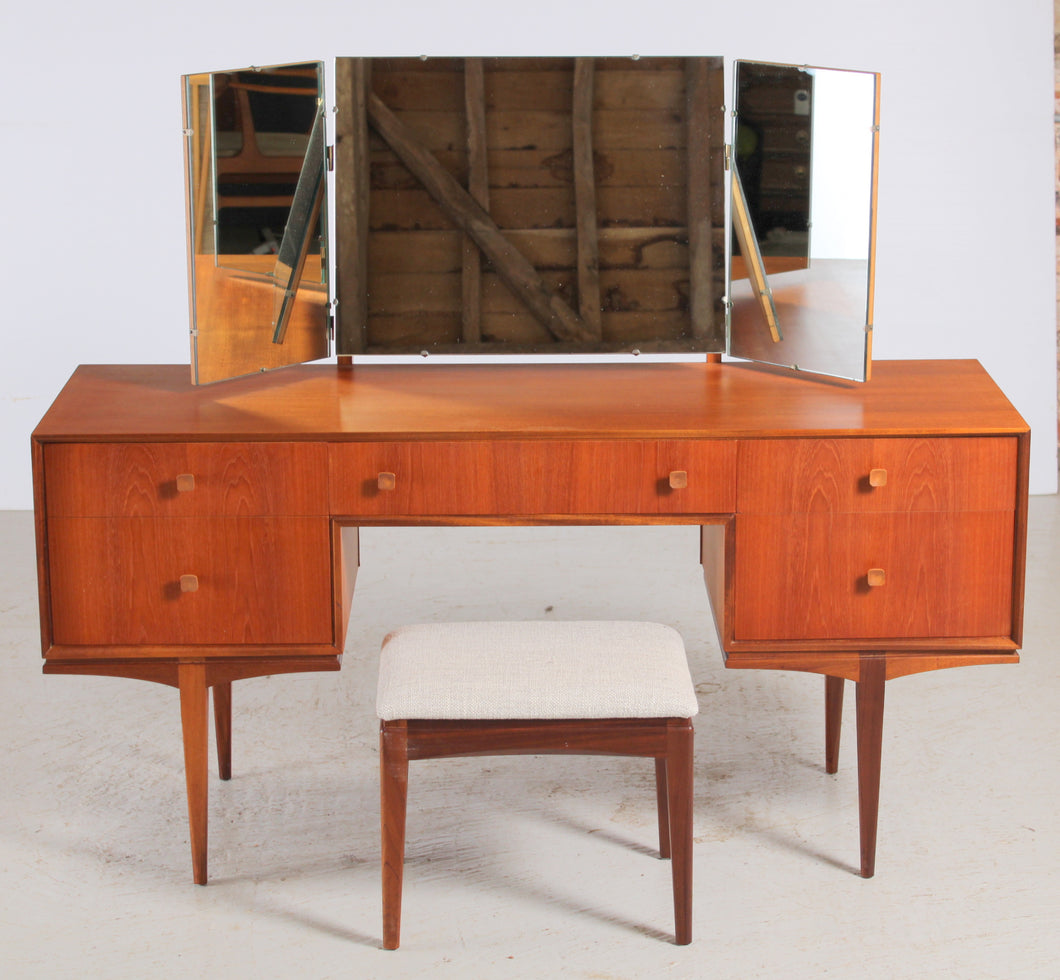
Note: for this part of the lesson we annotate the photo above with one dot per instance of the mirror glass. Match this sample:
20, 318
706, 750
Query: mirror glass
802, 197
525, 204
256, 193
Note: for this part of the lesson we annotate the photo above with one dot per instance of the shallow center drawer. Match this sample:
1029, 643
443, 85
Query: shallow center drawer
533, 477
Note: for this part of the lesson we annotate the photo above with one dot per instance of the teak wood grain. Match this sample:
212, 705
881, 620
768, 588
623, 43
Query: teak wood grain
804, 577
522, 478
250, 494
261, 581
431, 401
800, 476
142, 479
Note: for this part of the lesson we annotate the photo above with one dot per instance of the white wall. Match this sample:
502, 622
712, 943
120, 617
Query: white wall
93, 211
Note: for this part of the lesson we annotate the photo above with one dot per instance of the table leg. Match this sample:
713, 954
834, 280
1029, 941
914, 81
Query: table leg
870, 689
194, 697
833, 720
222, 723
679, 790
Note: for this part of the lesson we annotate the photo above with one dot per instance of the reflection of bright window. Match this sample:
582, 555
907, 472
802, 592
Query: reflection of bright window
841, 171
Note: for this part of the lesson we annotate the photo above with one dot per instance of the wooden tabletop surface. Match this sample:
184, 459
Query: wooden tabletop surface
462, 401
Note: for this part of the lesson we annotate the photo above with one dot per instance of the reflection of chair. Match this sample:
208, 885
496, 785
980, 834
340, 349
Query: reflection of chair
596, 688
258, 158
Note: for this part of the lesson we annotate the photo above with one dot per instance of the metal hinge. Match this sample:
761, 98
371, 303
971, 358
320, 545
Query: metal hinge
728, 156
332, 307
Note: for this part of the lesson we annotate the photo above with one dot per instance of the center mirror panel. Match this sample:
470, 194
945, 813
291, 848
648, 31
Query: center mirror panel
255, 154
529, 205
804, 153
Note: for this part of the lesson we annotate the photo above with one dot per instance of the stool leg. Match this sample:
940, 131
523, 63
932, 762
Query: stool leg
661, 793
679, 792
393, 796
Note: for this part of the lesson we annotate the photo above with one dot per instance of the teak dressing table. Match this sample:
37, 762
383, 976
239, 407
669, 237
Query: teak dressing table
194, 537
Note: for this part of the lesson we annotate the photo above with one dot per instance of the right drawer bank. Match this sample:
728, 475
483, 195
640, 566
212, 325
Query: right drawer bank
854, 538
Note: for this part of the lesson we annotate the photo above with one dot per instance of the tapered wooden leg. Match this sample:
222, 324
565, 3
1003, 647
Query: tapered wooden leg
661, 793
833, 721
679, 792
222, 723
393, 797
870, 688
194, 719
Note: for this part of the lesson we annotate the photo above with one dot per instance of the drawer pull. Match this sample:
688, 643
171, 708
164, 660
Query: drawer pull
877, 577
877, 478
185, 482
189, 583
678, 479
386, 481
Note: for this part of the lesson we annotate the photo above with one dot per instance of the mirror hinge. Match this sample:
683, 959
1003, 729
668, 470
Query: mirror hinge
728, 156
329, 154
331, 319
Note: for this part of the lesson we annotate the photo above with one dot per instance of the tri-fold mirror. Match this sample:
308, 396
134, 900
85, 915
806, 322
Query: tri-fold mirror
531, 205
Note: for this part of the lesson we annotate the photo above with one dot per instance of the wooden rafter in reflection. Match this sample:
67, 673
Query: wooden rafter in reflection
585, 196
352, 77
516, 271
702, 95
478, 188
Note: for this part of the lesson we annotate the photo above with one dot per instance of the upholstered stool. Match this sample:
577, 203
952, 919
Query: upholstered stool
509, 688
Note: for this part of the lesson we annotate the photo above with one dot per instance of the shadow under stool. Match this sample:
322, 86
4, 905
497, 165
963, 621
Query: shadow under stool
537, 688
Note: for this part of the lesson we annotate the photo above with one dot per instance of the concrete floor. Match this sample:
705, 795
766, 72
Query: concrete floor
531, 867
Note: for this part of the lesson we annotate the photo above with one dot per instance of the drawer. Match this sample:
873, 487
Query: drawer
805, 576
532, 478
778, 476
118, 581
151, 479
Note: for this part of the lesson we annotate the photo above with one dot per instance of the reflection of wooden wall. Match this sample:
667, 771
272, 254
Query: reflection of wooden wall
529, 202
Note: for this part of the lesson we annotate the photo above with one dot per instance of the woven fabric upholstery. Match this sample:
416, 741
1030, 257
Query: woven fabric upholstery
525, 670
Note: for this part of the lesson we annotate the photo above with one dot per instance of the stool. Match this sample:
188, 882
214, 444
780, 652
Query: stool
534, 688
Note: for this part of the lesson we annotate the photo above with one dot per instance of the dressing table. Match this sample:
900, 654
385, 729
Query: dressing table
862, 528
195, 536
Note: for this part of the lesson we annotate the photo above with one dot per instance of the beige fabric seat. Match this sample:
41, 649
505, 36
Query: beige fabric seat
500, 688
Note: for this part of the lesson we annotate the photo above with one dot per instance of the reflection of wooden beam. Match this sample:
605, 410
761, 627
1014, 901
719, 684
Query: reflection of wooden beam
351, 203
585, 196
462, 209
701, 103
478, 187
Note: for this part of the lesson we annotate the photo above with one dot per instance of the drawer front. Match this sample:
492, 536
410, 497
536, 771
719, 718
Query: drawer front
877, 475
185, 479
532, 478
255, 580
806, 576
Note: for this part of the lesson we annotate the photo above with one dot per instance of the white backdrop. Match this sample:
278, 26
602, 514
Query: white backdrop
92, 251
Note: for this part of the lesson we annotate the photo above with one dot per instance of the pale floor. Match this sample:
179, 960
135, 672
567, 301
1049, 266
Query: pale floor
531, 867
